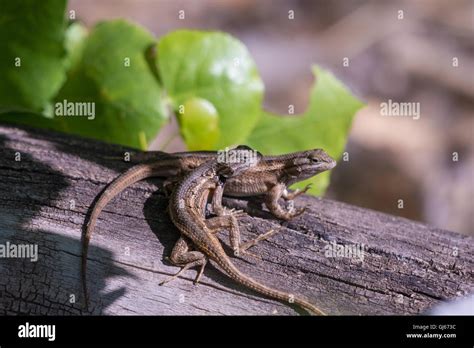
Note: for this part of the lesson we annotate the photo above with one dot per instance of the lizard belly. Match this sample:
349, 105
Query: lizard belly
234, 189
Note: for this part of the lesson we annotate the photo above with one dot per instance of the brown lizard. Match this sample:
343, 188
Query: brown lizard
270, 178
187, 210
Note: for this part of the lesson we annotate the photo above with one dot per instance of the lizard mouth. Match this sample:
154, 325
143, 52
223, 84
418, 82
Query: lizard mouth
324, 165
331, 164
320, 161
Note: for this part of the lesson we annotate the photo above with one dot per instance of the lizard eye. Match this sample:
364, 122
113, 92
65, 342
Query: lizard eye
315, 160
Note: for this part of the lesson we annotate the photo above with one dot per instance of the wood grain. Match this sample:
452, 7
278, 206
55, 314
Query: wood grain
406, 268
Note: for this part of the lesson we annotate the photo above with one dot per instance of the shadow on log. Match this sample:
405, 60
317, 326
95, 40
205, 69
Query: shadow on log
49, 180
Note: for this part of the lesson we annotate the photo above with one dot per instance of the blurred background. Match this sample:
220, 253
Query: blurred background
406, 51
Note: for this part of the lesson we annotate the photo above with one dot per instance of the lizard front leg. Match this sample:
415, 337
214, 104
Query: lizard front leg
271, 201
216, 203
229, 222
289, 196
181, 256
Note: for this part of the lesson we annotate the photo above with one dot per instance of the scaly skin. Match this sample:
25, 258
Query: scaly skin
187, 211
270, 178
167, 166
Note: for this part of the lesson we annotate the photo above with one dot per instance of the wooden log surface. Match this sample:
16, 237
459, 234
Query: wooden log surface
49, 180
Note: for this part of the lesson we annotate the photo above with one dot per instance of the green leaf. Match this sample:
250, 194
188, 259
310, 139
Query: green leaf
75, 40
199, 124
114, 74
218, 68
31, 36
325, 124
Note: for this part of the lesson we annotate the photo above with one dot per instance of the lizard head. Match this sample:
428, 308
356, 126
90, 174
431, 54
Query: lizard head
306, 164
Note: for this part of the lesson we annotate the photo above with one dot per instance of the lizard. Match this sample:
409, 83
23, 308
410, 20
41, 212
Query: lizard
270, 177
187, 211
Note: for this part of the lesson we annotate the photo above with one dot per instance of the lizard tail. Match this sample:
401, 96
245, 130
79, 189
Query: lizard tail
234, 273
131, 176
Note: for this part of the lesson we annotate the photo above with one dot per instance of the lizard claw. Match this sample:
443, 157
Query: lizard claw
297, 212
241, 252
292, 195
234, 212
300, 211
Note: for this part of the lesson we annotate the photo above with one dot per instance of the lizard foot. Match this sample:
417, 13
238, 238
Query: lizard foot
200, 262
288, 215
292, 195
297, 212
244, 246
234, 212
253, 242
240, 253
224, 211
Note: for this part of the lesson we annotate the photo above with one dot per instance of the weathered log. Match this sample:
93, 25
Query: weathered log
48, 182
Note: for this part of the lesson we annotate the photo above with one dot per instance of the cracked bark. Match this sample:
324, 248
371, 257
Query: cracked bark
45, 196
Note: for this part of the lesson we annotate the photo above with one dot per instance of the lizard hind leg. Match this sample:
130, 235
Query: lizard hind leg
230, 222
255, 241
181, 256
